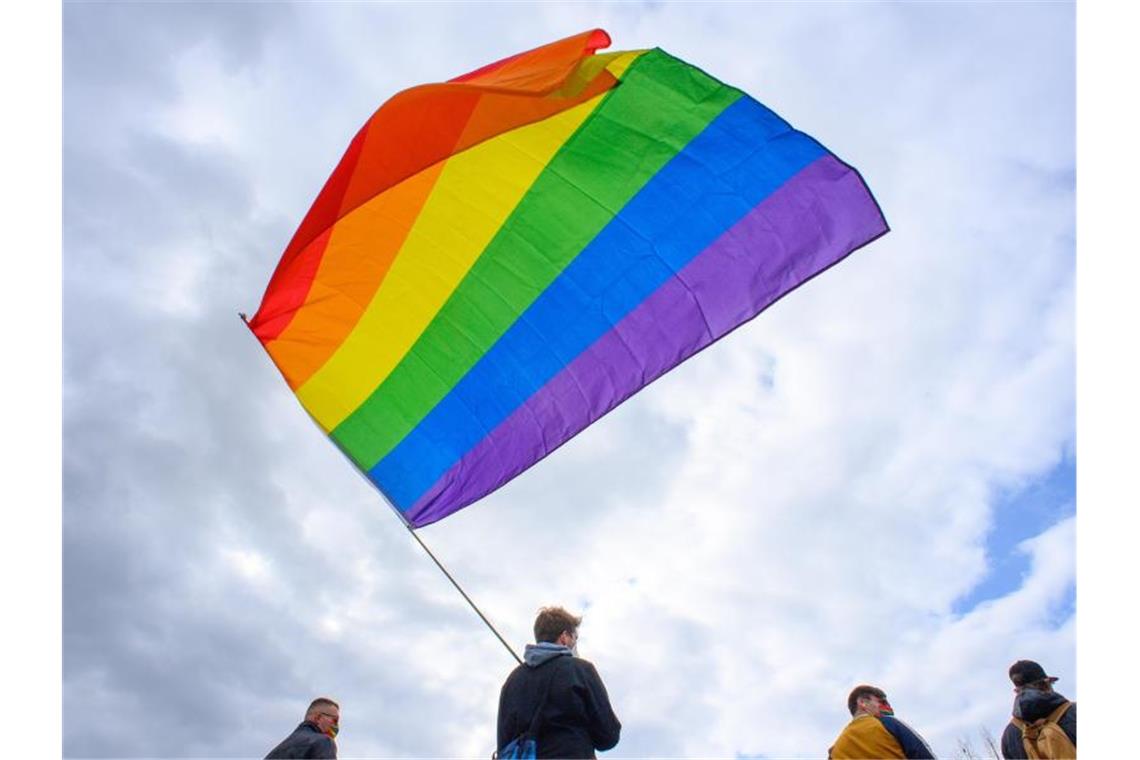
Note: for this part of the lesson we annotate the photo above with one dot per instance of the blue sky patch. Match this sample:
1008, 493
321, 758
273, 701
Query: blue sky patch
1022, 513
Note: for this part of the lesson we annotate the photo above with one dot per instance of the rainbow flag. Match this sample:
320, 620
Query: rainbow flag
499, 260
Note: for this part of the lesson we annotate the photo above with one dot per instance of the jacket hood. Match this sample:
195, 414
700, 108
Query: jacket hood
536, 654
1032, 704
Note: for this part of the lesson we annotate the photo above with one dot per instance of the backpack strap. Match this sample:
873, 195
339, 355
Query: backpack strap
536, 721
517, 744
1055, 716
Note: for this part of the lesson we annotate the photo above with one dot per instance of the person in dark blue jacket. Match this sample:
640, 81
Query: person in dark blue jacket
575, 717
315, 737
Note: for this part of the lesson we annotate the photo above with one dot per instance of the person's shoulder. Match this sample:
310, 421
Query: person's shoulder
912, 744
307, 739
519, 671
582, 667
850, 737
581, 663
895, 727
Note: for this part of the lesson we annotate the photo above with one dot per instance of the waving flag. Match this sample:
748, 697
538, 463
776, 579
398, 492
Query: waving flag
499, 260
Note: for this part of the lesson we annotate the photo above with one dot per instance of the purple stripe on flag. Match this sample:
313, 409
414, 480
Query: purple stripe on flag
813, 221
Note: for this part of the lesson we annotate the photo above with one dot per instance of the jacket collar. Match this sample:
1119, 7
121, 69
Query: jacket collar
544, 651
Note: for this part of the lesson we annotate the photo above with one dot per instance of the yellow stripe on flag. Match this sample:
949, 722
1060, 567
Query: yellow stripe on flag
474, 195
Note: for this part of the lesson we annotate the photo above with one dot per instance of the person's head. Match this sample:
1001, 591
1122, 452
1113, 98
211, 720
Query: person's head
557, 626
868, 700
1026, 674
326, 714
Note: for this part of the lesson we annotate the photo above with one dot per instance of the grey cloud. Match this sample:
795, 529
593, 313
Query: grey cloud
127, 49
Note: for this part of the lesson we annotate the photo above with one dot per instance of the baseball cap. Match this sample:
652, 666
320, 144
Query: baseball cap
1025, 672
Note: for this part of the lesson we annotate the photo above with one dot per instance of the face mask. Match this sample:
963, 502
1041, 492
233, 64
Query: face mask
333, 731
1026, 693
574, 649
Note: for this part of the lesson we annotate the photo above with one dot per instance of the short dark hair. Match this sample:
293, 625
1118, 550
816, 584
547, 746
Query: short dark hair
320, 702
860, 691
552, 621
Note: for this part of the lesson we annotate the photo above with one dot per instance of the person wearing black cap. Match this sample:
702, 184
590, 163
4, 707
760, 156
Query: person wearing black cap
1042, 719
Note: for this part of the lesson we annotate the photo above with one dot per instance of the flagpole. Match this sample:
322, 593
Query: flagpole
461, 591
406, 524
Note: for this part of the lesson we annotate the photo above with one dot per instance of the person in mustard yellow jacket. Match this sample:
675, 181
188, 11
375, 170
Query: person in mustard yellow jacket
875, 732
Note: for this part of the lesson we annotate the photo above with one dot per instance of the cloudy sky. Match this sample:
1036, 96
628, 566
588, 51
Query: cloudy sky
872, 482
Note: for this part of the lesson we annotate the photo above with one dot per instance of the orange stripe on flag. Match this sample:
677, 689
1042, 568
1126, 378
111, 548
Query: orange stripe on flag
356, 260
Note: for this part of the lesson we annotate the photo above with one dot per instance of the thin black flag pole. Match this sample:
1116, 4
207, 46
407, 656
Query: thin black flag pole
461, 591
